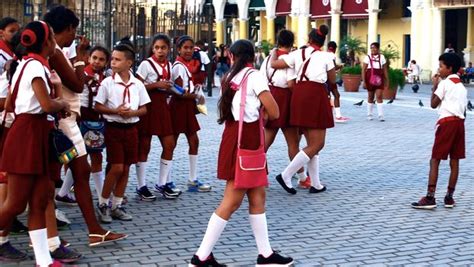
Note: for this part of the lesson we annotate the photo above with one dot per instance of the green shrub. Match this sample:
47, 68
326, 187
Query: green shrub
396, 79
357, 70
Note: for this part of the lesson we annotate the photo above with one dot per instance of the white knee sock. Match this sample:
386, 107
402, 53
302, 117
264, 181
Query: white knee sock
116, 202
98, 181
168, 178
301, 176
380, 109
338, 112
370, 107
140, 168
3, 240
192, 167
298, 161
54, 243
215, 227
165, 168
67, 184
313, 170
260, 232
39, 240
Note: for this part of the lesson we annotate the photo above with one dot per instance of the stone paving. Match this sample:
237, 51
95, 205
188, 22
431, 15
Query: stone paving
373, 171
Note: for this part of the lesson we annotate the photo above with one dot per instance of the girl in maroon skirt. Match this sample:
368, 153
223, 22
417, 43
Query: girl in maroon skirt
183, 109
242, 57
310, 108
26, 150
375, 79
155, 72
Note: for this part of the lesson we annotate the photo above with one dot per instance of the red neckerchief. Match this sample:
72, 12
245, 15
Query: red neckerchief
126, 90
316, 48
376, 55
41, 59
91, 72
6, 47
185, 63
280, 52
233, 86
165, 68
330, 49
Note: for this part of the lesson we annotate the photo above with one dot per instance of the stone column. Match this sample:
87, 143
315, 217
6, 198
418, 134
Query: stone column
469, 50
425, 35
373, 10
303, 22
270, 8
438, 39
219, 6
243, 6
416, 20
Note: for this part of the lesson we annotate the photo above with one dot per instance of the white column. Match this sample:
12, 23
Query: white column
335, 29
219, 6
373, 10
270, 8
469, 50
416, 20
426, 35
243, 6
303, 22
438, 38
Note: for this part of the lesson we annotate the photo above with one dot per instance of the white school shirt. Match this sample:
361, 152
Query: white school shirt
281, 77
148, 74
71, 97
204, 60
453, 97
26, 101
256, 84
294, 59
111, 95
84, 96
4, 87
180, 70
319, 64
4, 57
375, 61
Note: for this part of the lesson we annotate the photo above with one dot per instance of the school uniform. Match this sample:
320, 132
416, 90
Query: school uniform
277, 80
157, 121
121, 134
450, 132
310, 105
5, 123
256, 84
200, 76
26, 148
376, 62
183, 111
6, 54
91, 88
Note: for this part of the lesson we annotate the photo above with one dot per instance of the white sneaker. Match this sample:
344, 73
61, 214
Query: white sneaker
370, 117
341, 119
60, 215
381, 118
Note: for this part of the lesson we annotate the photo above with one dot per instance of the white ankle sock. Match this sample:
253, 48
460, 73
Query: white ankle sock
338, 112
140, 168
298, 161
103, 200
380, 109
116, 202
260, 232
3, 240
370, 107
192, 167
313, 170
215, 227
39, 240
301, 176
54, 243
165, 168
98, 182
67, 183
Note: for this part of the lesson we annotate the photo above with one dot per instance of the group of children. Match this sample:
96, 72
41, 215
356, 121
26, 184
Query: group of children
43, 89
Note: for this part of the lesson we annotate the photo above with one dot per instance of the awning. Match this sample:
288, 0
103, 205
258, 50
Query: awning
320, 9
283, 7
355, 9
257, 5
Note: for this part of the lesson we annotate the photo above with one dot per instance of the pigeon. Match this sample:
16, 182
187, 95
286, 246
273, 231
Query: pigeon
359, 103
415, 88
391, 101
469, 105
420, 103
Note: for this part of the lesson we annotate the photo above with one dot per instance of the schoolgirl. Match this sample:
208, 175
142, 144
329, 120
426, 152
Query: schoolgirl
332, 47
121, 99
8, 28
183, 109
310, 106
375, 79
155, 73
258, 94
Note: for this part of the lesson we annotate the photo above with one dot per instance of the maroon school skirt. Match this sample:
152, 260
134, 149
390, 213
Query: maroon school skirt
26, 147
283, 98
3, 135
157, 120
367, 79
228, 146
183, 115
310, 106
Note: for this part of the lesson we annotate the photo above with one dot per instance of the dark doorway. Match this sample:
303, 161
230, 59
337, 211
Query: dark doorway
456, 29
406, 49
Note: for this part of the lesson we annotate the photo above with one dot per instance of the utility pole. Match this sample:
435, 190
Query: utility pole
210, 51
108, 24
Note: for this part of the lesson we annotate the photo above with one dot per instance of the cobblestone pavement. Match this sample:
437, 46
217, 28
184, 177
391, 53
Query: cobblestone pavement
373, 171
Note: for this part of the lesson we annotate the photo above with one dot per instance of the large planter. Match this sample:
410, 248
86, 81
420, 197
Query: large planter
389, 93
351, 82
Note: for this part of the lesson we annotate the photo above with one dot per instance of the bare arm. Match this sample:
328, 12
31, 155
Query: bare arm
331, 76
2, 103
156, 85
364, 69
101, 108
270, 105
435, 100
72, 79
385, 74
276, 63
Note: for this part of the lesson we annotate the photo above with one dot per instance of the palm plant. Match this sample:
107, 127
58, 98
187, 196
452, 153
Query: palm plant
349, 48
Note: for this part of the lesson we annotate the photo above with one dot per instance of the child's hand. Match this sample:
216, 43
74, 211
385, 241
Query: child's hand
54, 78
122, 108
82, 49
164, 85
127, 113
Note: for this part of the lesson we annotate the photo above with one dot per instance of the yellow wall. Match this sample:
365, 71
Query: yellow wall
263, 25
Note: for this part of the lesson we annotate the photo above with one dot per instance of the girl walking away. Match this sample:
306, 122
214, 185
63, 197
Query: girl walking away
8, 28
183, 110
258, 94
32, 97
95, 74
281, 82
121, 99
332, 47
64, 23
375, 79
310, 106
155, 73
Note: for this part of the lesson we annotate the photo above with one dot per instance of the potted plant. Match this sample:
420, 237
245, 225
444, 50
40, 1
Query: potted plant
351, 77
396, 80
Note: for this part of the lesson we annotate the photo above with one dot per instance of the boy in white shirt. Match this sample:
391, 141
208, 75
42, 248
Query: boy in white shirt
450, 96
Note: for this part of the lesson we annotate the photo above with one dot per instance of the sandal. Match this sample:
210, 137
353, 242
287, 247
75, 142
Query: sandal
96, 239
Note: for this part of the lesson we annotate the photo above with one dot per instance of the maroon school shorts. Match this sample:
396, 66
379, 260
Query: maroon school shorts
449, 139
121, 140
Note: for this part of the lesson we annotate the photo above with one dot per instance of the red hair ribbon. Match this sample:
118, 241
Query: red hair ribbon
31, 35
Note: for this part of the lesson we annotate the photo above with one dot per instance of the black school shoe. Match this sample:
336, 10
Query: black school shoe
209, 262
279, 179
274, 260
